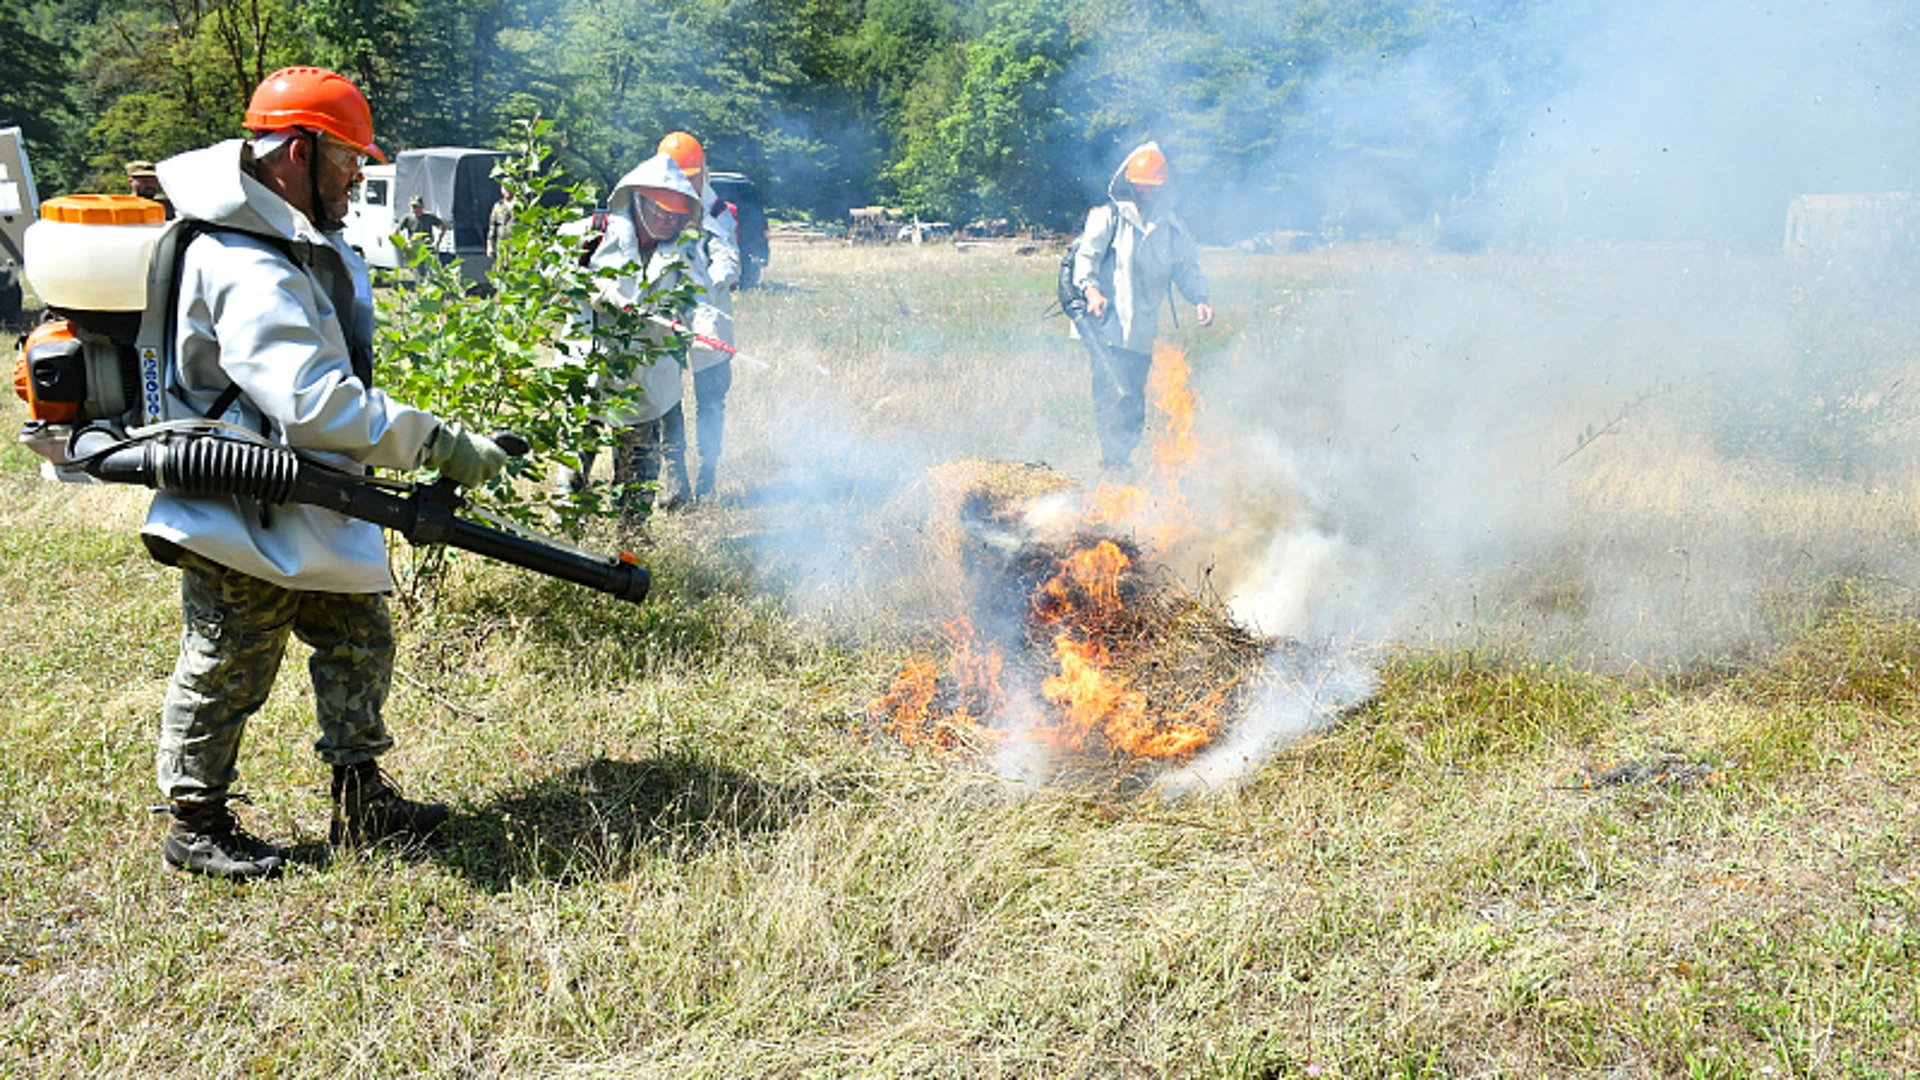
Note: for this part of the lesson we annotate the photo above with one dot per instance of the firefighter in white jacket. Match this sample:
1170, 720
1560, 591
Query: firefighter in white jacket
713, 317
273, 332
645, 241
1132, 247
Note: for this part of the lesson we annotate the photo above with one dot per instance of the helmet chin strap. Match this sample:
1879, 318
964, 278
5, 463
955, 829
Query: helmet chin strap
321, 219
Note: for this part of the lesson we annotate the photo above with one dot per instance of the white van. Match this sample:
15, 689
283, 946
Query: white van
370, 218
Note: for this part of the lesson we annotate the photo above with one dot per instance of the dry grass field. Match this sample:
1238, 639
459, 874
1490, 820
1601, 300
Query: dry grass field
1633, 793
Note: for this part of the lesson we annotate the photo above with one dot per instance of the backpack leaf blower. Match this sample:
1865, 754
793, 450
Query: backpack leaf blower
96, 378
1073, 304
189, 459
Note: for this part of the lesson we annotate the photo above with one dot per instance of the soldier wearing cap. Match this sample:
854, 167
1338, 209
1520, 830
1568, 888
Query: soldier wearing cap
143, 181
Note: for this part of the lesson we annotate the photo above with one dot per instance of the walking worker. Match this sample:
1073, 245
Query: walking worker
719, 251
274, 325
1133, 246
648, 212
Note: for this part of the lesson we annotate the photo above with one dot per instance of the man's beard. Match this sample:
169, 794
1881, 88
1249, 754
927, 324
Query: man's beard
325, 219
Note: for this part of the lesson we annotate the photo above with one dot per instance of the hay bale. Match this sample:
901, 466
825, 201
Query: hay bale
1008, 551
977, 508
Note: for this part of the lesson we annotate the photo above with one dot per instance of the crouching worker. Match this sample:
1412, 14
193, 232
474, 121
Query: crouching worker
643, 245
273, 332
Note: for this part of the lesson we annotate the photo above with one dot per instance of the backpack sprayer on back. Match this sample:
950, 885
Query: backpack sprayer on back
97, 376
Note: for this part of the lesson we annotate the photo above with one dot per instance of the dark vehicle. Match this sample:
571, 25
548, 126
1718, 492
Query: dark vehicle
744, 194
11, 295
19, 208
456, 185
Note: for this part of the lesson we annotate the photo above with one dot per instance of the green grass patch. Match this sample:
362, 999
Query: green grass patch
680, 848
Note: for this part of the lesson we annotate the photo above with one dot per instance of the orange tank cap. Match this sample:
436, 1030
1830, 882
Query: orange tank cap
103, 210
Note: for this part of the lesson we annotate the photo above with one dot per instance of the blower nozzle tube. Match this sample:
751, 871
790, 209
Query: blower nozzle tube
207, 465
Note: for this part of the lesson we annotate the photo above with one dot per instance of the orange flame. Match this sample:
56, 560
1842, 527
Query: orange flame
1095, 571
1100, 707
903, 708
1174, 448
1113, 504
1095, 702
906, 710
976, 675
1096, 705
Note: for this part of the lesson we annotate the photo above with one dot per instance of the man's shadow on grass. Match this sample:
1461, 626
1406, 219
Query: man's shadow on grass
601, 820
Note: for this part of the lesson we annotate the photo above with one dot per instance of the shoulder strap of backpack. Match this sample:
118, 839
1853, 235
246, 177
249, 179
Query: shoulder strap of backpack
1103, 267
159, 325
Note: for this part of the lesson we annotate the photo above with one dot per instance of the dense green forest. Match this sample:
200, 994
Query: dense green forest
953, 109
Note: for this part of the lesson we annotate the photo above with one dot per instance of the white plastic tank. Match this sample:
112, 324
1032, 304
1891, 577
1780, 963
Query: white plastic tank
90, 252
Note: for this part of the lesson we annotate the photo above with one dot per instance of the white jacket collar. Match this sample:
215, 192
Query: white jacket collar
210, 185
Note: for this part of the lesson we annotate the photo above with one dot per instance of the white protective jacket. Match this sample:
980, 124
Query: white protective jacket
1147, 253
663, 265
720, 245
285, 331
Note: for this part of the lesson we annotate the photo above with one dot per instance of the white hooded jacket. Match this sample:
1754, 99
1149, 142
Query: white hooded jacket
662, 266
1147, 252
720, 244
280, 329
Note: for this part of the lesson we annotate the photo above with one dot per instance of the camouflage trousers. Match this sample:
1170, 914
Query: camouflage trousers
639, 450
235, 636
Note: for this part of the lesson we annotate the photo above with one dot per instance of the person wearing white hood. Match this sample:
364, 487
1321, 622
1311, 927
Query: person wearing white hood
644, 239
1132, 247
273, 331
712, 368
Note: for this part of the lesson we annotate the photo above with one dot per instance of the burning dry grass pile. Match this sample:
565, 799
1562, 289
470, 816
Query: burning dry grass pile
1066, 637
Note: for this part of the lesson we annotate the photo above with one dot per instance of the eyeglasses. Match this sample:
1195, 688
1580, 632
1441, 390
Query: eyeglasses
660, 222
344, 154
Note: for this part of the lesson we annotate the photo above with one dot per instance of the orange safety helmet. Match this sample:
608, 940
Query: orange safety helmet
311, 97
677, 202
686, 152
1147, 168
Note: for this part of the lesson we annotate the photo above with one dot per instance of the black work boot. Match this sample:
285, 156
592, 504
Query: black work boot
367, 809
204, 838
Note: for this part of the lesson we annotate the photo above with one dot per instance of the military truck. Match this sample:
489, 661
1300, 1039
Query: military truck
455, 182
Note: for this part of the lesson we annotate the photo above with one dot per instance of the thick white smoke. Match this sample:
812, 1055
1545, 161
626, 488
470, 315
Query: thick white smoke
1558, 437
1567, 393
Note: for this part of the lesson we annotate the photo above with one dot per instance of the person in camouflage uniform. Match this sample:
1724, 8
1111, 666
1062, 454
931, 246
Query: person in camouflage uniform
644, 239
500, 221
1135, 246
273, 333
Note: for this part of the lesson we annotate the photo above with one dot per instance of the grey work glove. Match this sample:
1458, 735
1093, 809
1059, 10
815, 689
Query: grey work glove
463, 457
